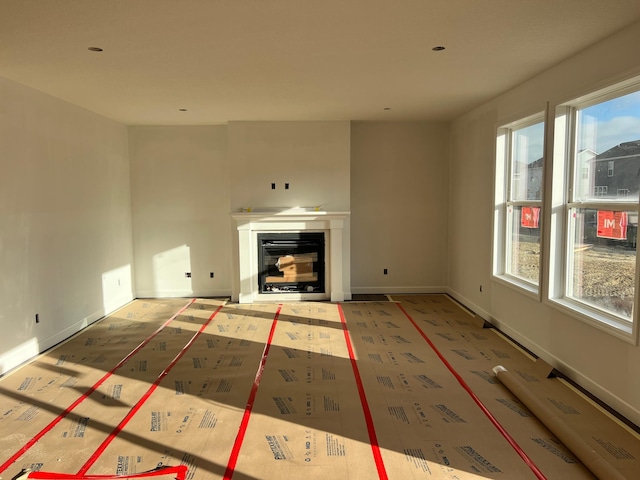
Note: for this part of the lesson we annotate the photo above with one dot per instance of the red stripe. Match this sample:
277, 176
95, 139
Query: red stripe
373, 439
235, 451
180, 474
145, 397
475, 398
84, 396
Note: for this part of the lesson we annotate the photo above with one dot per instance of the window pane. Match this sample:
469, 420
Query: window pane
602, 259
608, 150
527, 162
523, 243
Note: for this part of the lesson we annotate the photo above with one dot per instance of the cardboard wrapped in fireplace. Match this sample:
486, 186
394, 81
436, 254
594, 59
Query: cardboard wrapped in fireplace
296, 268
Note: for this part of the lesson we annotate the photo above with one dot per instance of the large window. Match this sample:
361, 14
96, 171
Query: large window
519, 182
595, 207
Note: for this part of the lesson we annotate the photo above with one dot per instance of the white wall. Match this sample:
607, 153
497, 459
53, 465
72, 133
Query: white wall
66, 249
180, 204
187, 180
65, 220
313, 157
399, 196
392, 176
606, 366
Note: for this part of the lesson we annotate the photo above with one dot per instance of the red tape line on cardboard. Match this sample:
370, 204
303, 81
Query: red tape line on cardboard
373, 439
237, 444
180, 473
475, 398
145, 397
85, 395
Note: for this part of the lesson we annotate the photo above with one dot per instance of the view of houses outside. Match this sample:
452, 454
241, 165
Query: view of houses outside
602, 256
525, 202
603, 214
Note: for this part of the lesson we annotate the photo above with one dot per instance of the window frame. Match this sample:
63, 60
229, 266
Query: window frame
563, 168
502, 220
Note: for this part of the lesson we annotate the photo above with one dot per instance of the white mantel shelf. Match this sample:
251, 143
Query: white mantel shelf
249, 223
287, 215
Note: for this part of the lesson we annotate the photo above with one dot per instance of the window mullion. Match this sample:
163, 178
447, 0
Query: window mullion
605, 205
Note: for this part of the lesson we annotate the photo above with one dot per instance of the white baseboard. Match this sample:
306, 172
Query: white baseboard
72, 329
627, 410
19, 355
469, 304
31, 349
567, 370
116, 304
182, 293
396, 290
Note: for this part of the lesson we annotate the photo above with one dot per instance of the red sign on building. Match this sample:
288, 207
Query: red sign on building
612, 224
530, 217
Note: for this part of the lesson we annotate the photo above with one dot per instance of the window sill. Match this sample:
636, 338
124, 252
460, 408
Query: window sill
519, 285
606, 323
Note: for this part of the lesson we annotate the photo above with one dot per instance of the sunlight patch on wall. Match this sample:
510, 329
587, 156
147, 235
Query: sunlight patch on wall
172, 272
117, 288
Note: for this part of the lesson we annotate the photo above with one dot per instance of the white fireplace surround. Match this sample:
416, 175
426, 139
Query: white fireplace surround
249, 223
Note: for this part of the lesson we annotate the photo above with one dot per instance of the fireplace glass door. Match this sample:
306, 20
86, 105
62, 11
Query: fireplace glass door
291, 262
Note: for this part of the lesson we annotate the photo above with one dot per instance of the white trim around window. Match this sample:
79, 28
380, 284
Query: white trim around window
518, 193
593, 264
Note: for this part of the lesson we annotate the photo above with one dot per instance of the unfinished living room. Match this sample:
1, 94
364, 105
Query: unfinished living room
364, 239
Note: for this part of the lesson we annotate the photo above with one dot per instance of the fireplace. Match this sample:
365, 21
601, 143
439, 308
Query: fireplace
291, 262
318, 268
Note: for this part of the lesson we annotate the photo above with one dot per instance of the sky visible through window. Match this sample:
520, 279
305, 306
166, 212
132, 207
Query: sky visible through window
535, 138
610, 123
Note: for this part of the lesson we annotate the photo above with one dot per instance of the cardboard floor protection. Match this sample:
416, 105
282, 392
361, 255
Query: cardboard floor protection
400, 389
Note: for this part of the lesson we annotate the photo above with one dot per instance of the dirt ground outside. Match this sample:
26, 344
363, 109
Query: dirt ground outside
603, 276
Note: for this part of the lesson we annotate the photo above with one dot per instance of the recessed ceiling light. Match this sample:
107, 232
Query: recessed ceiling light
439, 48
95, 49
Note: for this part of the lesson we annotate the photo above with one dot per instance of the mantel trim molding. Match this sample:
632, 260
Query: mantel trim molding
292, 220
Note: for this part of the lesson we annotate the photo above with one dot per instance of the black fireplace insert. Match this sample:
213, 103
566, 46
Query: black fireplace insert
291, 262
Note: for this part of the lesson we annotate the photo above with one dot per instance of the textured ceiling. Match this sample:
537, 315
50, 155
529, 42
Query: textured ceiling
227, 60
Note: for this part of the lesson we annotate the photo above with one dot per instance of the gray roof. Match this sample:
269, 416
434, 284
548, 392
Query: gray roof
625, 149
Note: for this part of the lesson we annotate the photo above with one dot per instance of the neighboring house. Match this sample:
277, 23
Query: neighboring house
616, 172
613, 174
585, 181
534, 180
529, 186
